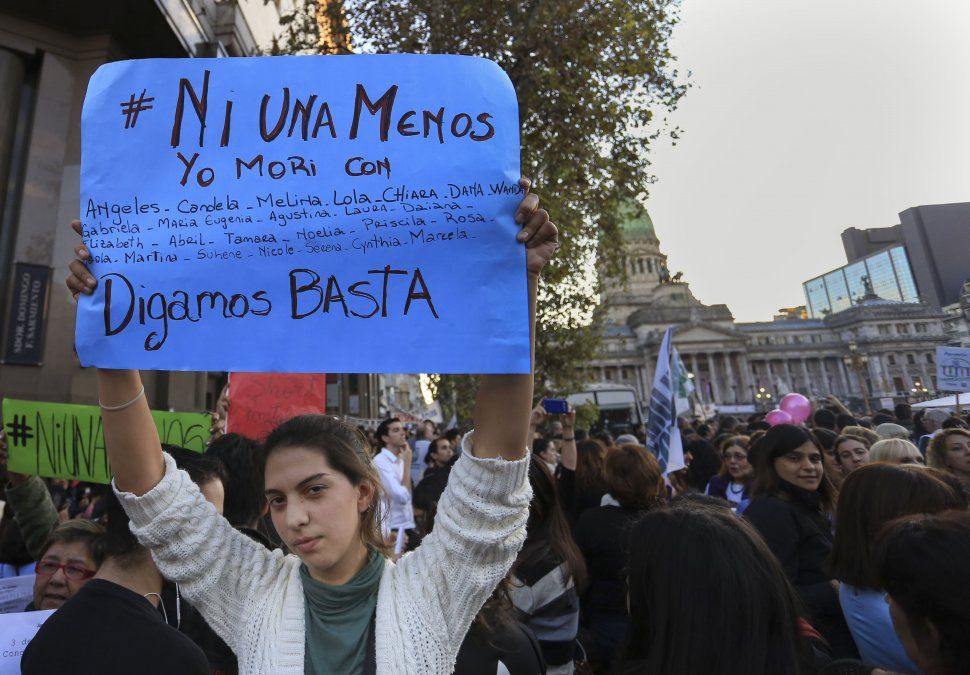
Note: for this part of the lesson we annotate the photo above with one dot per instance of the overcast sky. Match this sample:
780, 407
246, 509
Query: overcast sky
806, 117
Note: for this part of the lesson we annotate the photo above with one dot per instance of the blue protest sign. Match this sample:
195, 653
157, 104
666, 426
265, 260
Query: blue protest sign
303, 214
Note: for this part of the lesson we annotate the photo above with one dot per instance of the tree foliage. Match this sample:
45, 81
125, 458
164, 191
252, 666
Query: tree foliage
590, 77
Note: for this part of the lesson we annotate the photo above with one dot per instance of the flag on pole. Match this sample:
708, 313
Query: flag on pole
683, 384
663, 435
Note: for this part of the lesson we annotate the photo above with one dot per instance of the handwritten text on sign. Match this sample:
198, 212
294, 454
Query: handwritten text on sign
303, 214
63, 440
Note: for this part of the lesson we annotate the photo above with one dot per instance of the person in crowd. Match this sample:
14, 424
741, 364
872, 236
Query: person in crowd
895, 451
549, 574
727, 425
112, 622
881, 417
707, 596
733, 483
581, 483
891, 430
634, 485
950, 451
954, 422
870, 497
30, 505
277, 611
844, 420
244, 502
454, 437
424, 433
851, 451
72, 554
705, 463
792, 504
823, 418
863, 432
544, 450
393, 462
903, 412
932, 422
498, 642
439, 460
920, 561
826, 439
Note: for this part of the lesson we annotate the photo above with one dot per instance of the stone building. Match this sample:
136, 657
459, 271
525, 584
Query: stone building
880, 348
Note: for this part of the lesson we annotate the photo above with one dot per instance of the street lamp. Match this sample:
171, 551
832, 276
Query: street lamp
859, 362
763, 398
919, 390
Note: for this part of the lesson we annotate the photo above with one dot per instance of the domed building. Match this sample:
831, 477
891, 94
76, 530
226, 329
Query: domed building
743, 366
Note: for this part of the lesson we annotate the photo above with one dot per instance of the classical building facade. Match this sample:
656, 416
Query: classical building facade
879, 348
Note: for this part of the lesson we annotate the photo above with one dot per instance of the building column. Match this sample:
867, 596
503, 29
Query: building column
746, 375
732, 383
808, 380
789, 376
716, 391
843, 376
907, 379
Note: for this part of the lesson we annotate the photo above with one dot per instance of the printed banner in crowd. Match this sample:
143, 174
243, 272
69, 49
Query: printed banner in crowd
303, 214
16, 632
260, 401
952, 369
64, 440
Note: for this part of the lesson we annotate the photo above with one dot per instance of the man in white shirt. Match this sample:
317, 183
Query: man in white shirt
394, 464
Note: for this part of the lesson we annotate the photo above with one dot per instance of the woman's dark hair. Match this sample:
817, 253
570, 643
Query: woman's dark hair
707, 596
345, 450
540, 445
870, 497
590, 461
633, 477
727, 424
826, 438
547, 531
706, 463
201, 468
843, 420
920, 561
244, 487
824, 418
780, 440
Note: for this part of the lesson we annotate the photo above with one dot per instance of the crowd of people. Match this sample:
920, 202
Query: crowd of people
526, 546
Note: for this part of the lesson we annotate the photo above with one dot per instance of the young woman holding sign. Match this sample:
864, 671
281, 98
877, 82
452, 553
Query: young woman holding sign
338, 605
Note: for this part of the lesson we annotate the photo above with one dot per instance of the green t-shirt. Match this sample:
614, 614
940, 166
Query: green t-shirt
338, 619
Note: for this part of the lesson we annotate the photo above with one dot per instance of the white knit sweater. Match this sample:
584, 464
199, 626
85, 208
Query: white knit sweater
253, 598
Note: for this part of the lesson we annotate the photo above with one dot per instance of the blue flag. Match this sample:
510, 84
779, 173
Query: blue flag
663, 435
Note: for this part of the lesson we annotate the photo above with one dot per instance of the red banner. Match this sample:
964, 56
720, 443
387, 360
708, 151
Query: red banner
260, 401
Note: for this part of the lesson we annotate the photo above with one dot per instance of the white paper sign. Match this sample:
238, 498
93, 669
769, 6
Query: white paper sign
952, 369
16, 632
16, 593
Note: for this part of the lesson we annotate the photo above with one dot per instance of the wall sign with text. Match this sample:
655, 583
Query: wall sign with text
303, 214
27, 316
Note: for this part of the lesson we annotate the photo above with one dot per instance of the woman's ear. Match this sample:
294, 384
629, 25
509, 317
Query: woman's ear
365, 495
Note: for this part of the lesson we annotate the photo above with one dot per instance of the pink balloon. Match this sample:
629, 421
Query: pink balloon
776, 417
796, 405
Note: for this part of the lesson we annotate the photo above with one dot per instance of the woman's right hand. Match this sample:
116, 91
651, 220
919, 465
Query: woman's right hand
80, 280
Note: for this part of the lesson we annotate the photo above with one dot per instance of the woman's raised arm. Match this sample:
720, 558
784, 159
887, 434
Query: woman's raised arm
504, 402
130, 435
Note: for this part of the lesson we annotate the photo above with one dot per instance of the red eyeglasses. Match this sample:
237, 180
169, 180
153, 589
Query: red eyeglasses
75, 572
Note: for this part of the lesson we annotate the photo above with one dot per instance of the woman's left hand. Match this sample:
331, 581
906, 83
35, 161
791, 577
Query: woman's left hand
539, 234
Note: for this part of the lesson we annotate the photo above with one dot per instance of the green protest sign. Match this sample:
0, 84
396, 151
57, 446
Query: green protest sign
62, 440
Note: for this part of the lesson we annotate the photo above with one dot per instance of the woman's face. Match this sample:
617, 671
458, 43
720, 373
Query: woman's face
801, 467
317, 511
958, 453
736, 460
852, 454
441, 452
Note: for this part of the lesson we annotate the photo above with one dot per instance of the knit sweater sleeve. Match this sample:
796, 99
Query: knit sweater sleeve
480, 526
221, 571
34, 511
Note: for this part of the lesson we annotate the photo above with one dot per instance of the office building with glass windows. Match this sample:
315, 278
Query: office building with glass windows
886, 274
